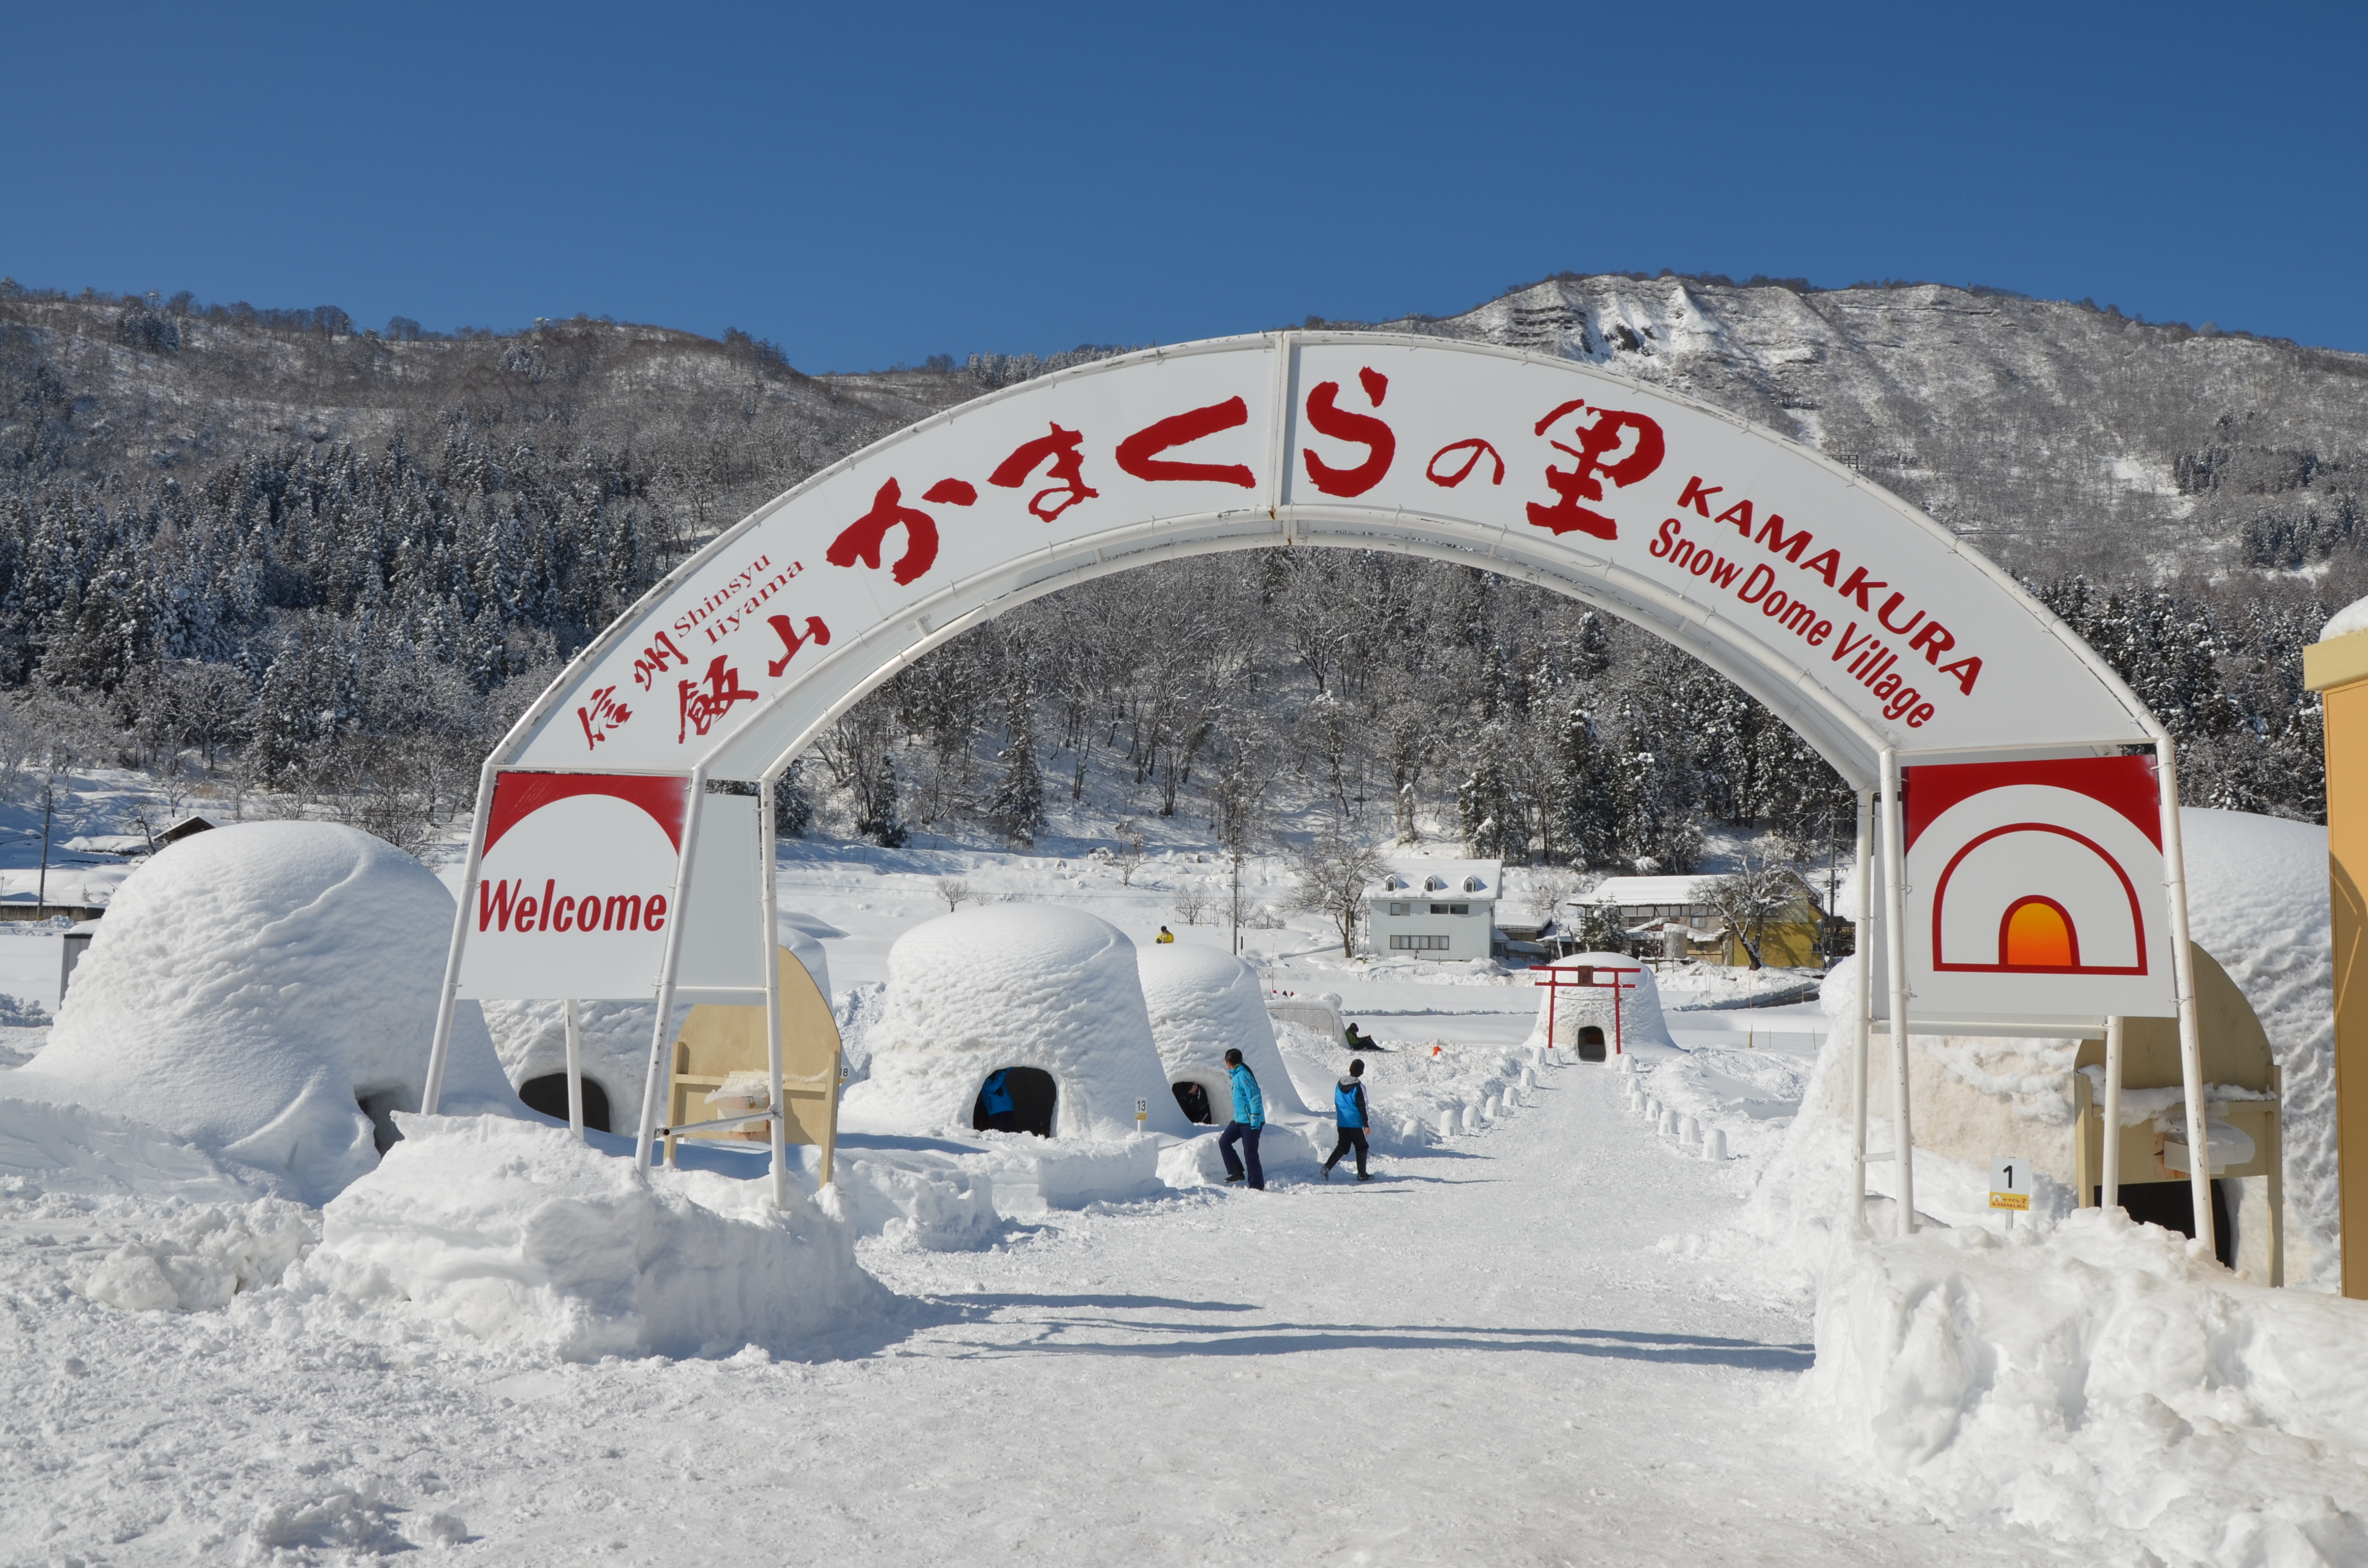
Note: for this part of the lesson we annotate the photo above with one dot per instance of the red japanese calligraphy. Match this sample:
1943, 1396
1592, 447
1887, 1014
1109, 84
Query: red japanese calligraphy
862, 539
1474, 446
953, 493
709, 698
1067, 471
601, 715
790, 641
653, 661
1595, 442
1139, 453
1330, 419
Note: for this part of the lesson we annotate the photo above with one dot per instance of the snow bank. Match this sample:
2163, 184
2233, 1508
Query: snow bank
518, 1234
64, 1147
1013, 986
2109, 1382
1640, 1021
1203, 1003
251, 987
204, 1257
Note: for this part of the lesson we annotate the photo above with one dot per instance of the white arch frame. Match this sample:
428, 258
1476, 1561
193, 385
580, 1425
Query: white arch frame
2058, 677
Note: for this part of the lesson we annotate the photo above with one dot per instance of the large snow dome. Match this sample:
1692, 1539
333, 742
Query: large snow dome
267, 991
1203, 1003
1576, 1008
1013, 986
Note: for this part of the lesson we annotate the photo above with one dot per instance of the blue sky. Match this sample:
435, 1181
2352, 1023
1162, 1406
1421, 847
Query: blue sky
873, 184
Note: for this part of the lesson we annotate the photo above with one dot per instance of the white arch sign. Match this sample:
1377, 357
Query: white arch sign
1862, 624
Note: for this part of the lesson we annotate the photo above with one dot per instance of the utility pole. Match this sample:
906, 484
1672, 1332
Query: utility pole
1237, 900
41, 889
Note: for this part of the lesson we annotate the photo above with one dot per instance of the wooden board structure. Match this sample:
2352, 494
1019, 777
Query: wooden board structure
717, 1041
2236, 1055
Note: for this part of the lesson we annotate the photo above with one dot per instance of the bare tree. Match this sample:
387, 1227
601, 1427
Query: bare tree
1193, 901
1551, 887
1762, 890
953, 890
1332, 872
1131, 852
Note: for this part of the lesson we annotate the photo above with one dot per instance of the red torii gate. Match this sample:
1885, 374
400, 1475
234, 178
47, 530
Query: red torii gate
1557, 979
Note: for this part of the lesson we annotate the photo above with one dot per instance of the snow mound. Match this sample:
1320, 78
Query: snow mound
518, 1234
2109, 1382
66, 1149
935, 1208
1016, 985
1640, 1021
1203, 1003
257, 990
2352, 618
204, 1257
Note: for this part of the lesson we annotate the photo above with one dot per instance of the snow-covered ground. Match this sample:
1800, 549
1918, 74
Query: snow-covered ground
1548, 1332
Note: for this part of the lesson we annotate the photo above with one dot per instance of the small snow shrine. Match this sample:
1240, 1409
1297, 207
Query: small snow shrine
1047, 996
1591, 1021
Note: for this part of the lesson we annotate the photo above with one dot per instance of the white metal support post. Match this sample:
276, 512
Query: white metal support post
768, 952
2182, 975
1895, 920
1861, 956
654, 1084
2112, 1155
575, 1071
450, 995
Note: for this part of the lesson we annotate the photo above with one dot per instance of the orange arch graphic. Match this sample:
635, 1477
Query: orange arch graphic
2038, 932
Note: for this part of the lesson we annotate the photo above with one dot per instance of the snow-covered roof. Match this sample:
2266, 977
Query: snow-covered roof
1648, 892
1464, 878
2352, 618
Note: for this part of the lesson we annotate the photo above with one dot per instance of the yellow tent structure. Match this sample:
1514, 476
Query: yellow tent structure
719, 1041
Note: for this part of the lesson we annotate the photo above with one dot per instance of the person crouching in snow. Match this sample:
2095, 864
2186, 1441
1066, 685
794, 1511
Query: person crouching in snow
1250, 1120
1002, 1110
1349, 1109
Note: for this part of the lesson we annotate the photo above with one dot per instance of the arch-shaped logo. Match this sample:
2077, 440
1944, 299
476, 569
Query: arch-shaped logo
2036, 887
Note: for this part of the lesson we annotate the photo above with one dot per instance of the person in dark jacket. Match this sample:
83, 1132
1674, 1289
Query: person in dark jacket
1002, 1110
1350, 1111
1250, 1120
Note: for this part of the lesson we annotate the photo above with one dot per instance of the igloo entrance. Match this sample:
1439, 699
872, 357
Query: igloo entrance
1194, 1100
1590, 1043
548, 1095
1035, 1100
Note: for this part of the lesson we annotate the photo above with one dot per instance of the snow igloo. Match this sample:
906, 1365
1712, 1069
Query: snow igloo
1047, 996
267, 991
1203, 1003
1581, 1015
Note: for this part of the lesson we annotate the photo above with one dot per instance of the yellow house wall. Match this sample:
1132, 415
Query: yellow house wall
2340, 670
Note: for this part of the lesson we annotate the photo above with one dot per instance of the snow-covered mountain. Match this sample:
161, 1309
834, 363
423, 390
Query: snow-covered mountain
2055, 434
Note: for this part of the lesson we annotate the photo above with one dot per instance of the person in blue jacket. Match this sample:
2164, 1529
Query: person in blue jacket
1002, 1111
1350, 1111
1250, 1120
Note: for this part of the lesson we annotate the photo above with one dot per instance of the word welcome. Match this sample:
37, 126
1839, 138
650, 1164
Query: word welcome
501, 907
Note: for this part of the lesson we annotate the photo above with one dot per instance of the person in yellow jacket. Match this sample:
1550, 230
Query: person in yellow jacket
1165, 935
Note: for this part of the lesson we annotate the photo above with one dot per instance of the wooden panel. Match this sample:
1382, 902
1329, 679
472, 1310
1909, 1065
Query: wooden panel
719, 1040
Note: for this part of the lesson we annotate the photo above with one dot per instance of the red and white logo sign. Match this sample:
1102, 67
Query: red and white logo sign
2037, 889
572, 895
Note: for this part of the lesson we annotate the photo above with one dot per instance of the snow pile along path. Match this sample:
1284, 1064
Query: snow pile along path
2107, 1382
517, 1232
264, 992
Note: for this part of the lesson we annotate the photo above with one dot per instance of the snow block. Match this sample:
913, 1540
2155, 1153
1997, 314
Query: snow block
1032, 1174
1013, 986
518, 1234
263, 990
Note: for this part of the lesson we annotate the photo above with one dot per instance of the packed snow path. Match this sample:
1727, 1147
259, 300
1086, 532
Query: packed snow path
1506, 1351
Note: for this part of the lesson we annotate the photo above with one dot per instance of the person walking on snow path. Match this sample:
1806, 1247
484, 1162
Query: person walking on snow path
1250, 1120
1350, 1111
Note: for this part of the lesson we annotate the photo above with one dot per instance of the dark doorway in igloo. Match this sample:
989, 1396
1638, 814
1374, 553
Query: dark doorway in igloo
548, 1095
1192, 1099
1590, 1042
1034, 1097
2171, 1205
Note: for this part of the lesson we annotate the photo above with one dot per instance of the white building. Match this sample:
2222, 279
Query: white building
1434, 909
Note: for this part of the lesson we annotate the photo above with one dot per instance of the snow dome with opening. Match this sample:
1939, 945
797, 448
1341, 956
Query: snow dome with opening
1582, 1014
267, 991
1049, 992
1203, 1003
